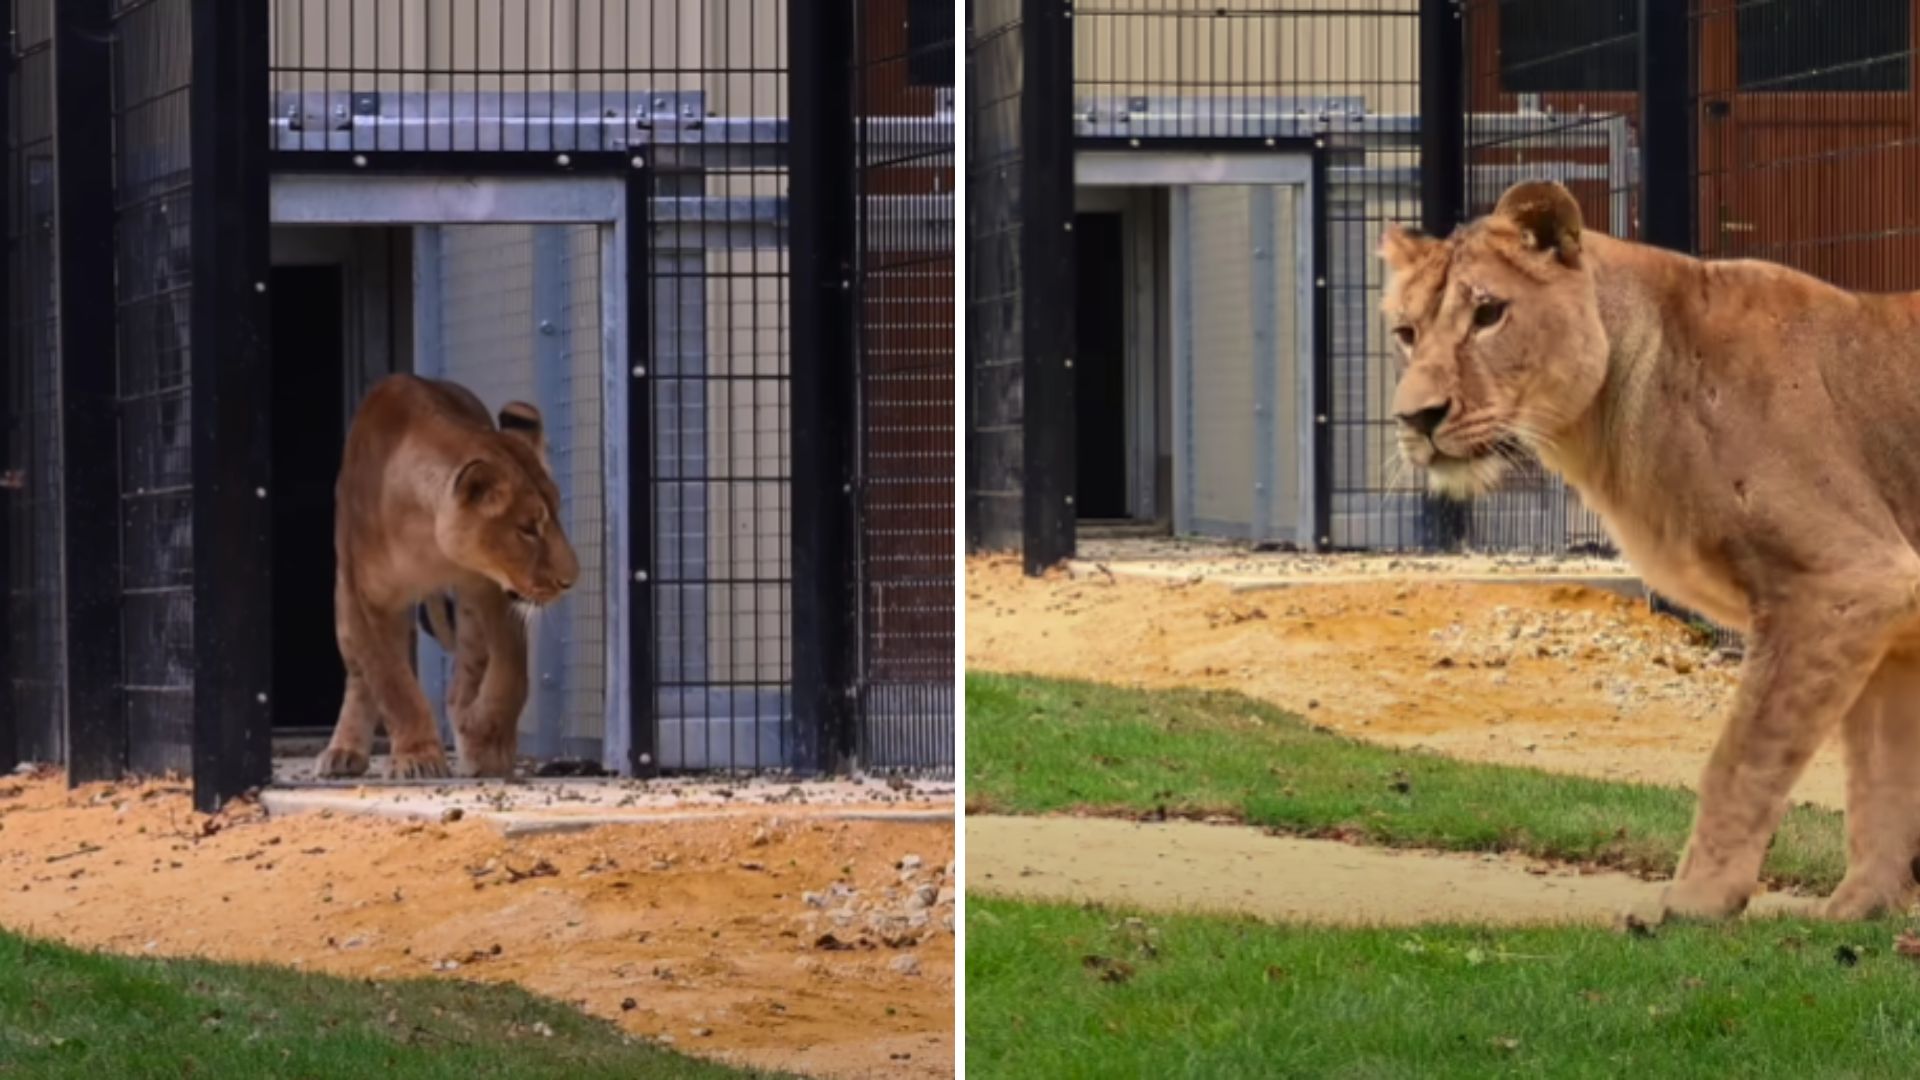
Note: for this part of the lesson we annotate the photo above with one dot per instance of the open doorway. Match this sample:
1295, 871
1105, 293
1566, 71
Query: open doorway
308, 366
1119, 362
340, 320
1100, 367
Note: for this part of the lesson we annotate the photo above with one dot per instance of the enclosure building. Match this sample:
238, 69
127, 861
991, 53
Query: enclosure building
1174, 211
710, 239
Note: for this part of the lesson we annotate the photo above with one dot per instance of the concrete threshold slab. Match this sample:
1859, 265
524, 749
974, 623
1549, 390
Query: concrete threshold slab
1626, 585
396, 807
523, 807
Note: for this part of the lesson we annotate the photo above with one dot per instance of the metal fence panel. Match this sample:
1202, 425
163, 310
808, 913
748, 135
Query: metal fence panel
36, 601
1550, 94
697, 89
903, 286
152, 77
1805, 143
996, 333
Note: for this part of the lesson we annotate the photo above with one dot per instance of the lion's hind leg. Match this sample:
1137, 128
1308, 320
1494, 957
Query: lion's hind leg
350, 750
1882, 737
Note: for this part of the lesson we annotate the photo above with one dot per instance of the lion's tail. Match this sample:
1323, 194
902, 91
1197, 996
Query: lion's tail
436, 618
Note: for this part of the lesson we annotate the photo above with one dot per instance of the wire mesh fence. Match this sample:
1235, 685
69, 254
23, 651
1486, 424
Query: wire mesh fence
1806, 146
903, 282
699, 91
996, 233
153, 221
1340, 81
35, 590
1550, 94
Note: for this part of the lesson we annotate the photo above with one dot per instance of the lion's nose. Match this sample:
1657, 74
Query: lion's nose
1428, 420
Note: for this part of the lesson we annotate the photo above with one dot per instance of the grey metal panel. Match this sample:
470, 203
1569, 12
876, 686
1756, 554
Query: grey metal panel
1263, 284
334, 199
620, 381
682, 511
429, 352
1181, 240
1170, 168
551, 332
671, 126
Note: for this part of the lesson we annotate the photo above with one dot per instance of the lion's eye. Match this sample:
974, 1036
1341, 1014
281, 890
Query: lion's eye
530, 530
1406, 335
1488, 312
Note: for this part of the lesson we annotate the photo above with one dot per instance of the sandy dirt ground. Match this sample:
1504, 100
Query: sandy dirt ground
778, 937
1398, 651
1226, 869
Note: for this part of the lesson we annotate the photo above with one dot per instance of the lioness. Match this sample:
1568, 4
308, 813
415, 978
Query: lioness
433, 499
1746, 431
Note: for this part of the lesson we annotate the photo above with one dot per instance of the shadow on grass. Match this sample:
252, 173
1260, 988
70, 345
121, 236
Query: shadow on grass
93, 1016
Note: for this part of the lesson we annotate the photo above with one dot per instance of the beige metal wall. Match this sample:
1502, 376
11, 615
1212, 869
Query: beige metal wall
1304, 47
537, 45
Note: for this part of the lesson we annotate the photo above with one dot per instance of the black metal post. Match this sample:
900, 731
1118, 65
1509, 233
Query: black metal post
83, 147
1443, 184
1666, 125
232, 404
643, 740
1047, 440
824, 381
1322, 436
1443, 117
9, 736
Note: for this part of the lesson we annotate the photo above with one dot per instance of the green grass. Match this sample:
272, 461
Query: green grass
1039, 746
1224, 998
65, 1013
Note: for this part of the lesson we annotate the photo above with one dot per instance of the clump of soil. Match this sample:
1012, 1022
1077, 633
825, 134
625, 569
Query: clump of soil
697, 933
1557, 676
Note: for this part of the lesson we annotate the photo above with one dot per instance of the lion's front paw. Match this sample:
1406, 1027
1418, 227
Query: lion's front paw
419, 765
337, 761
486, 761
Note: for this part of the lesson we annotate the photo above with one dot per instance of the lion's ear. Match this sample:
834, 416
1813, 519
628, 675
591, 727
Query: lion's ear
519, 419
1402, 247
481, 485
1547, 214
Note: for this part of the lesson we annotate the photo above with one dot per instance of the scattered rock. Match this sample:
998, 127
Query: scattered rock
904, 964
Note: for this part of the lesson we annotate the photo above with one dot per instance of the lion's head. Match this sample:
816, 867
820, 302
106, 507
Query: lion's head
503, 521
1498, 328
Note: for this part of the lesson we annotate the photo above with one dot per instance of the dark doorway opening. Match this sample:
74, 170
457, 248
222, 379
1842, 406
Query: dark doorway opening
1100, 366
309, 367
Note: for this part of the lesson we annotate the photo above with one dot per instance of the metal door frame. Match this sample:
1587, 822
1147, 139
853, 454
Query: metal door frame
615, 200
1179, 165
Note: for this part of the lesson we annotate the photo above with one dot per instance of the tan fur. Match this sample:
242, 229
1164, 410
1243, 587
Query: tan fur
433, 500
1745, 432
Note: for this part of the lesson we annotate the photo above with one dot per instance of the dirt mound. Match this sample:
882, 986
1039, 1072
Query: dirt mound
824, 947
1557, 676
1225, 869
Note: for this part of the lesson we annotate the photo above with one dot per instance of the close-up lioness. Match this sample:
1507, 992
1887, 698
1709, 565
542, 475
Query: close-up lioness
434, 500
1745, 431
